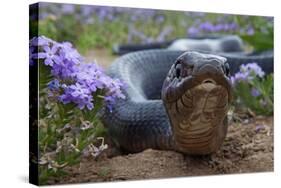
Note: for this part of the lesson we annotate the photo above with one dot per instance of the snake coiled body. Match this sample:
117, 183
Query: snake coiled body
141, 120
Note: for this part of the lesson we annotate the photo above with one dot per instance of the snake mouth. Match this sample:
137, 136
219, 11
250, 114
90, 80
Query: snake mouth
208, 84
174, 89
209, 81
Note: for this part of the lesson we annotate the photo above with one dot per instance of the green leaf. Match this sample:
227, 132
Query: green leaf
259, 41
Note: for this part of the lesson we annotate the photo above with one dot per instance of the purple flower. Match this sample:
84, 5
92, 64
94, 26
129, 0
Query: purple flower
68, 8
32, 55
102, 14
109, 100
259, 127
115, 89
50, 55
69, 53
79, 91
40, 41
79, 95
219, 27
54, 84
207, 26
193, 31
64, 70
255, 92
250, 31
160, 19
74, 81
233, 26
114, 92
210, 27
90, 75
247, 73
253, 69
238, 77
86, 10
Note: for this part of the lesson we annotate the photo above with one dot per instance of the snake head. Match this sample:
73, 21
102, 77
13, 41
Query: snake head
196, 94
192, 69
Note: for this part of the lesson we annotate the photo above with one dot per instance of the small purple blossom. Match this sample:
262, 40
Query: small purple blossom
74, 81
207, 27
40, 41
193, 31
255, 92
69, 53
259, 127
253, 69
68, 8
32, 56
114, 92
90, 75
247, 73
86, 11
160, 19
250, 31
54, 84
238, 77
50, 55
79, 95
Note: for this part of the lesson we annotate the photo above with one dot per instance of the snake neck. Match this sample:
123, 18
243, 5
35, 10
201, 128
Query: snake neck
198, 119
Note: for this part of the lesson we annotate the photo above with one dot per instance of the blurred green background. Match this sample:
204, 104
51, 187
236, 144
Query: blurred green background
100, 27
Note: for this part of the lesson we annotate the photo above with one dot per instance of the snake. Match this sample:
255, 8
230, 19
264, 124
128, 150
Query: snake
214, 43
175, 100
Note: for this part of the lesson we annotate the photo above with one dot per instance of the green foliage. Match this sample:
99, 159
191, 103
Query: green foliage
66, 29
260, 41
262, 104
65, 131
104, 34
262, 38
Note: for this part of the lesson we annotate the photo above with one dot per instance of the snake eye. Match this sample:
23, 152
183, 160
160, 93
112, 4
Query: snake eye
226, 65
178, 70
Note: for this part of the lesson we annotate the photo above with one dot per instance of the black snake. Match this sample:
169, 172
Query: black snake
175, 100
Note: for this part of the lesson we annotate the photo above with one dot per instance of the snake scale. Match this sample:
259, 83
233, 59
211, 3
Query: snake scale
175, 100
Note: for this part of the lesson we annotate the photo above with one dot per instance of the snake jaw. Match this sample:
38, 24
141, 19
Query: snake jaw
196, 100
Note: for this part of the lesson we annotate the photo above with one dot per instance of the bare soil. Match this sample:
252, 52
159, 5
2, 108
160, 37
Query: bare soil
102, 57
247, 148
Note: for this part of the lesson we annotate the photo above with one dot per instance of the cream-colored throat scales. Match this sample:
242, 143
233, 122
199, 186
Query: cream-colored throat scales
198, 118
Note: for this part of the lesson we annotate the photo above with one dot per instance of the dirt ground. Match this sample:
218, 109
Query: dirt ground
102, 57
247, 148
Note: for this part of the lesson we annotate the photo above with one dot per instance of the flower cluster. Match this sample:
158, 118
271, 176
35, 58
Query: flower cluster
74, 81
247, 73
89, 14
253, 89
206, 27
134, 33
187, 24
